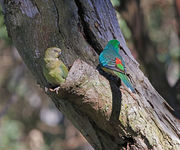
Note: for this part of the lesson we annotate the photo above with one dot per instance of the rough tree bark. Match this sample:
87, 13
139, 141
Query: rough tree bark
108, 117
133, 14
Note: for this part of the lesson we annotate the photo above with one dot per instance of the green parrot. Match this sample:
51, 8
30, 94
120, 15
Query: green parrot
112, 62
54, 69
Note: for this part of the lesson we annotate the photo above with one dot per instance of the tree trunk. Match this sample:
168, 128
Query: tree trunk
108, 116
133, 14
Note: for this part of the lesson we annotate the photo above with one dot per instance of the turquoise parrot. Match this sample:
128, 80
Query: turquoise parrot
54, 69
111, 62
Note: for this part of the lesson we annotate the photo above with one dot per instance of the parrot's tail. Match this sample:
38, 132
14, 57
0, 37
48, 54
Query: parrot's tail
126, 81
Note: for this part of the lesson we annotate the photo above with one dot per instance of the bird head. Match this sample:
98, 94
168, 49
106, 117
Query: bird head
114, 44
53, 52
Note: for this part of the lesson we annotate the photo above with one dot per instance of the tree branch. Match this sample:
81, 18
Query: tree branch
109, 117
133, 14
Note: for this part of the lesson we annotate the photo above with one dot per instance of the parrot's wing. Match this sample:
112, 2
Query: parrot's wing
109, 61
112, 61
115, 69
115, 65
64, 70
120, 64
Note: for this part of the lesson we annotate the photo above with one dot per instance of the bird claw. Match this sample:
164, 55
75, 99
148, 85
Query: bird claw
52, 90
55, 90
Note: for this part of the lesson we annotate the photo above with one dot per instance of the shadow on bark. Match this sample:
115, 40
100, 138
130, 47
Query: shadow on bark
115, 83
133, 14
108, 118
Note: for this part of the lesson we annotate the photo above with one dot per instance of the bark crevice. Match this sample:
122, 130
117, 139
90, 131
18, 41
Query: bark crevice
57, 18
86, 31
107, 116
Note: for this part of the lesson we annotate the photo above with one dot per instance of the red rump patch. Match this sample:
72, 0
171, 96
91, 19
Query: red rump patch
118, 61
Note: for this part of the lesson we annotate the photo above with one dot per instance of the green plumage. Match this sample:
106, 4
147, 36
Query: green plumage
54, 69
111, 61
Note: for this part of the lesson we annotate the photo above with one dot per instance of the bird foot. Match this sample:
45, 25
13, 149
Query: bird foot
55, 90
52, 89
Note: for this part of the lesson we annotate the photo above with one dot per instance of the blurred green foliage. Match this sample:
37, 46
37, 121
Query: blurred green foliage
115, 2
25, 110
124, 28
22, 123
3, 30
159, 19
11, 135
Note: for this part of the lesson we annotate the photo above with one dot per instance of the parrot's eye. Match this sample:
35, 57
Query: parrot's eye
55, 50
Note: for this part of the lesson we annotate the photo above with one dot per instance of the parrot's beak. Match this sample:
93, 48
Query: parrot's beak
59, 55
